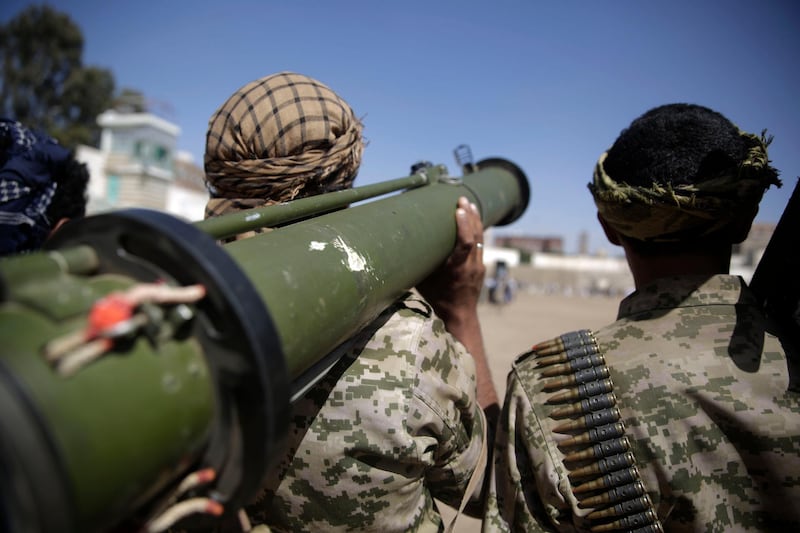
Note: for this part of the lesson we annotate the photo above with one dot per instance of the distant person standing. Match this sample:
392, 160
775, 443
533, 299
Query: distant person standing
676, 417
42, 186
501, 285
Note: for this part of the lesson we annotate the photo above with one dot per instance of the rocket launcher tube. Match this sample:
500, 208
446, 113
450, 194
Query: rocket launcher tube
106, 444
119, 433
339, 271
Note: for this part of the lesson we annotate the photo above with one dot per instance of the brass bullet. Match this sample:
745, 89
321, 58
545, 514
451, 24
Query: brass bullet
595, 435
628, 507
593, 403
574, 365
584, 390
564, 342
603, 466
616, 494
568, 355
601, 449
590, 420
612, 479
629, 522
578, 378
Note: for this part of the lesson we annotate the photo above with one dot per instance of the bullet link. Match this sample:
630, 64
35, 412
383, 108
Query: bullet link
590, 420
603, 466
601, 449
629, 522
595, 435
616, 494
612, 479
574, 365
593, 403
628, 507
564, 342
578, 378
582, 391
568, 355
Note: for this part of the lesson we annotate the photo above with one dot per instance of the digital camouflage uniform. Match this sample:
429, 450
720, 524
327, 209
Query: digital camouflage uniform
701, 386
392, 426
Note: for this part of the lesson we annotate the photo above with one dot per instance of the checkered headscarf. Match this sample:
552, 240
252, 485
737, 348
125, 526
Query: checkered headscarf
278, 138
28, 161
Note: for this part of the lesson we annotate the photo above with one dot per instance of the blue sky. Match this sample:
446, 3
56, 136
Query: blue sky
547, 85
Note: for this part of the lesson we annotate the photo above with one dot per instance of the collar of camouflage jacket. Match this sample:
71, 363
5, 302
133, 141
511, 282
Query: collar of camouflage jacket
686, 291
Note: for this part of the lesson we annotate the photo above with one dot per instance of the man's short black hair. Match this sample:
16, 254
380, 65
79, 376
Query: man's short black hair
677, 144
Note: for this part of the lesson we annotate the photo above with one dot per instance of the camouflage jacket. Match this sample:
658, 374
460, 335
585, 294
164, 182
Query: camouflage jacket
701, 388
394, 425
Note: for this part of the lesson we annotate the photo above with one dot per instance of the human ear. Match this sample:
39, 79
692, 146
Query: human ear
611, 234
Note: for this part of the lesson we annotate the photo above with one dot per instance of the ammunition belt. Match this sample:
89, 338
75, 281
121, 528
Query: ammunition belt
596, 453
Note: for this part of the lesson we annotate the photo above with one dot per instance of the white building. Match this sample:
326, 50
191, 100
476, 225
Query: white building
137, 166
187, 197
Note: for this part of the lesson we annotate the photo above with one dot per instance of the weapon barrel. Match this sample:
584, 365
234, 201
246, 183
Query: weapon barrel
106, 433
340, 271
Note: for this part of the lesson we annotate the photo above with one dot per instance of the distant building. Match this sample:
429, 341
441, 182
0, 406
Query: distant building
753, 247
530, 244
583, 243
747, 254
95, 161
188, 196
139, 150
137, 166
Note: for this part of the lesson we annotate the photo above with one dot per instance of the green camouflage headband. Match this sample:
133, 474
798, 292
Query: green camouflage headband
665, 212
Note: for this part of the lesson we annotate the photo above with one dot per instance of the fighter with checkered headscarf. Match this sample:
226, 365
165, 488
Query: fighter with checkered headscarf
678, 416
278, 138
398, 421
41, 186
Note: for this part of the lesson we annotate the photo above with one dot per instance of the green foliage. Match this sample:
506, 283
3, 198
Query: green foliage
44, 83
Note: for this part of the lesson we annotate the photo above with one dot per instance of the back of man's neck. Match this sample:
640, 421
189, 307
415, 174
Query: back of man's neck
647, 269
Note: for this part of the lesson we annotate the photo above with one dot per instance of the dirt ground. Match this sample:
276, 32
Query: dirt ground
511, 330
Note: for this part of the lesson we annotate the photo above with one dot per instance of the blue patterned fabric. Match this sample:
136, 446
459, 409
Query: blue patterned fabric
28, 160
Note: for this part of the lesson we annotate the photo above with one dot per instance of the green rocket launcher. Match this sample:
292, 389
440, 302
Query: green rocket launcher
147, 372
